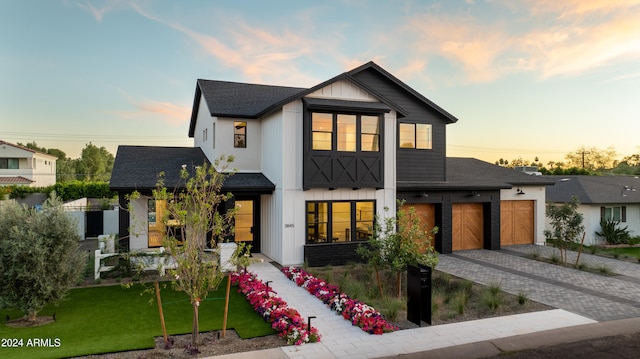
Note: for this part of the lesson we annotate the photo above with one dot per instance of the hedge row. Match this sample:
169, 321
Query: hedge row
68, 191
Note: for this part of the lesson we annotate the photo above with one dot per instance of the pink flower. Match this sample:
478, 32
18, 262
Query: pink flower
273, 309
353, 310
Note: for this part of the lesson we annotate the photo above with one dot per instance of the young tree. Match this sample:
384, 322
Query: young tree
398, 242
196, 211
40, 257
567, 225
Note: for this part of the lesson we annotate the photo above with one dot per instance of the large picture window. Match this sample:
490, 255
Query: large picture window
345, 132
415, 135
339, 221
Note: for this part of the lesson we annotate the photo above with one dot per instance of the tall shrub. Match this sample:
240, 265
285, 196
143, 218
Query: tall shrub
40, 257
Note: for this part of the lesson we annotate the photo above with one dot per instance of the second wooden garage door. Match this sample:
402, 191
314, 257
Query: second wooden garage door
516, 222
467, 230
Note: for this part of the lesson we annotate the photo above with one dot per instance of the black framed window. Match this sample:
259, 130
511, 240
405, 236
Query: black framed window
415, 135
370, 133
339, 221
240, 134
615, 213
345, 132
322, 131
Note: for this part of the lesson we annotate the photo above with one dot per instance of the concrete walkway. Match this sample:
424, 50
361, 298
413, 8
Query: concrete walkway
583, 299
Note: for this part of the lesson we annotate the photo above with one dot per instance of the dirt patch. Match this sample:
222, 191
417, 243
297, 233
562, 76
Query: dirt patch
210, 345
25, 323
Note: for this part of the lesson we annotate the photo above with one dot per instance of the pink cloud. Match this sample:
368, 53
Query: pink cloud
151, 110
577, 36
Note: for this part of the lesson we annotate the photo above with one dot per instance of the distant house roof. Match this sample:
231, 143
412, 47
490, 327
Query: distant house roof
252, 101
14, 180
594, 189
2, 142
137, 168
474, 174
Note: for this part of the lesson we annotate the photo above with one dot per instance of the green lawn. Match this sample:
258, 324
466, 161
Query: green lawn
112, 318
631, 252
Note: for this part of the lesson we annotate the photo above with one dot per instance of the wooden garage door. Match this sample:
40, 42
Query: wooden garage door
516, 222
426, 214
467, 229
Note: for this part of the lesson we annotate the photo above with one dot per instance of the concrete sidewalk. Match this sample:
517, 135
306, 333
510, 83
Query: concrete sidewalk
342, 340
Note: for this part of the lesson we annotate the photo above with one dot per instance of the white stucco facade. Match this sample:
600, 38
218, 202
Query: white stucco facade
38, 167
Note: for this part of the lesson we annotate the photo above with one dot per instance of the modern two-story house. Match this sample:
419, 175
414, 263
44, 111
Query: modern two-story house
23, 166
316, 165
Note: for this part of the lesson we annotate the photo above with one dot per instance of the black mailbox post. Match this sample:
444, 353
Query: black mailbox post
419, 294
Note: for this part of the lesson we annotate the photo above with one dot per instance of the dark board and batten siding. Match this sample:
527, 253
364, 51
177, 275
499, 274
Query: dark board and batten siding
334, 254
413, 165
334, 169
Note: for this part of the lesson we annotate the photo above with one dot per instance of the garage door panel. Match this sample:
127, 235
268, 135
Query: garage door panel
516, 222
468, 226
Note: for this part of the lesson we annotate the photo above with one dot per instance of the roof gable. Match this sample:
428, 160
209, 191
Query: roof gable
23, 148
243, 100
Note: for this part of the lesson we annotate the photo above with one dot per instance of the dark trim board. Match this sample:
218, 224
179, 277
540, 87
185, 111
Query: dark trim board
335, 254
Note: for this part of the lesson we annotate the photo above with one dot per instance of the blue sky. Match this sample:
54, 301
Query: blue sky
524, 78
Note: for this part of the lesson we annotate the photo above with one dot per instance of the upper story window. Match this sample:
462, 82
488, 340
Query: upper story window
322, 129
9, 163
240, 134
415, 135
345, 132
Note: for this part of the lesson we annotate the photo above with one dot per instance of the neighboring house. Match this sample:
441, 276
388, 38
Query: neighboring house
316, 165
601, 197
20, 165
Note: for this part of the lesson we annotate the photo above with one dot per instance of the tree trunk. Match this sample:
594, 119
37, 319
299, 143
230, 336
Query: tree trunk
195, 331
379, 282
399, 285
32, 315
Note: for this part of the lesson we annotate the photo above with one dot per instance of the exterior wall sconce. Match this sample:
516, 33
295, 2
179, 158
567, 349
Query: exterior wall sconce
519, 191
474, 194
423, 195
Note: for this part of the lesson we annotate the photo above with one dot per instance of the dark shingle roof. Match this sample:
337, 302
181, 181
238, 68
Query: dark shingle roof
251, 101
137, 168
474, 174
594, 189
234, 99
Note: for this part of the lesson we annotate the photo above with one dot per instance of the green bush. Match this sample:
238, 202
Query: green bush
68, 191
613, 233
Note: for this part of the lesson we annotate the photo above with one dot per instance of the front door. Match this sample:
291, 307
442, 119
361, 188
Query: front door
247, 229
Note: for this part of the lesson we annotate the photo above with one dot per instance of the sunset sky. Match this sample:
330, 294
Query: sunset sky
524, 78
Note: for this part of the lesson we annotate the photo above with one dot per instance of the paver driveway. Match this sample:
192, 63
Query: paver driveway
591, 295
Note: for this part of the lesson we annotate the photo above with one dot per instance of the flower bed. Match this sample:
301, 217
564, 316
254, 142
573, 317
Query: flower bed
360, 314
285, 320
